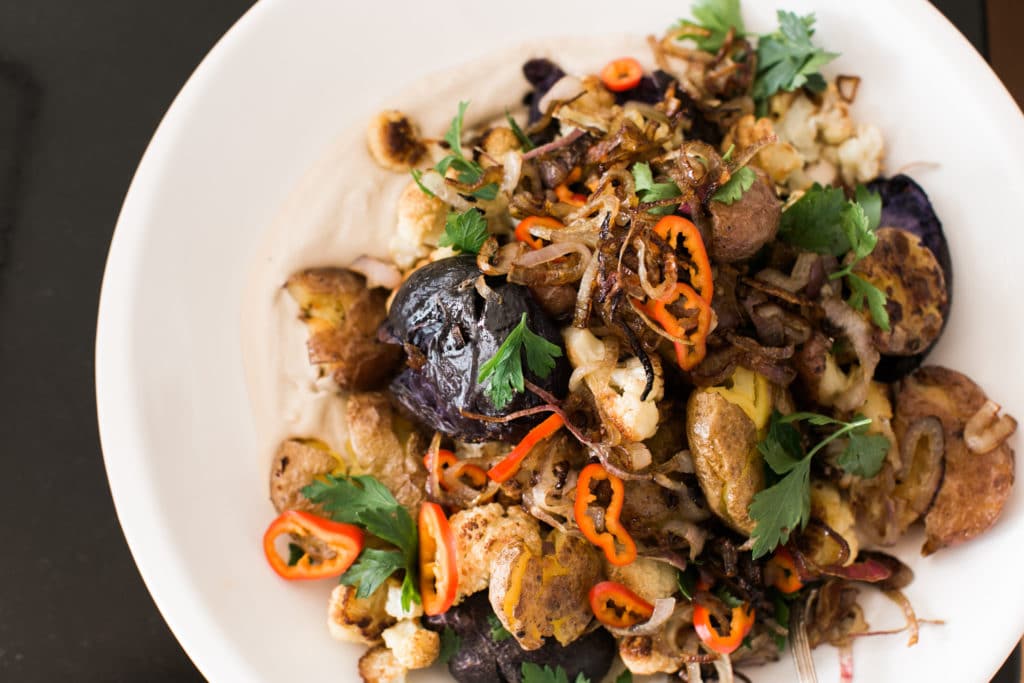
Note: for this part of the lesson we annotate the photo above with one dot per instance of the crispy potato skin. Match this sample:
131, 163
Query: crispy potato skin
296, 464
740, 229
975, 486
527, 588
342, 316
382, 450
915, 288
724, 445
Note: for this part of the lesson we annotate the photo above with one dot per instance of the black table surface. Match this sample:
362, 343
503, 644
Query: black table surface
83, 86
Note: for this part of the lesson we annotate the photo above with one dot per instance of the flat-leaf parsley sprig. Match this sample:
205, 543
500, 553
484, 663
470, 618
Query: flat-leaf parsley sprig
363, 500
469, 172
782, 508
505, 369
825, 222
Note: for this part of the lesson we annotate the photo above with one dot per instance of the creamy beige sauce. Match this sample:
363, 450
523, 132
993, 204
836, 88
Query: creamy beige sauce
345, 207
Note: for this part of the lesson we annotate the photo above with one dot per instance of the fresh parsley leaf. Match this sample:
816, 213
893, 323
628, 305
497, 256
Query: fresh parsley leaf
739, 182
782, 617
417, 175
779, 509
454, 135
861, 290
469, 171
363, 500
465, 232
498, 632
687, 581
371, 570
787, 60
728, 598
814, 222
345, 498
715, 17
864, 454
295, 553
450, 644
650, 191
524, 140
823, 221
534, 673
505, 368
624, 677
781, 447
871, 202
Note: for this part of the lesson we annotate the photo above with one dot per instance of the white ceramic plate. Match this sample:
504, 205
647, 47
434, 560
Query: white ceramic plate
174, 416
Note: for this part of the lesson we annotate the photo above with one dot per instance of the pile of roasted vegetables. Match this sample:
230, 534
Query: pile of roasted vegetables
649, 381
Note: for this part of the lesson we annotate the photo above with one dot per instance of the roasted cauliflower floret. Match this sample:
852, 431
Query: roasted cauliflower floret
647, 655
480, 535
379, 665
618, 386
394, 141
495, 143
342, 316
860, 157
393, 605
419, 225
647, 578
412, 645
357, 620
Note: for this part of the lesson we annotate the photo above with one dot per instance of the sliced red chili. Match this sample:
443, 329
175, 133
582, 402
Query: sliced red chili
671, 228
439, 570
783, 572
616, 605
740, 623
522, 232
450, 469
622, 74
614, 540
688, 354
507, 468
567, 196
345, 541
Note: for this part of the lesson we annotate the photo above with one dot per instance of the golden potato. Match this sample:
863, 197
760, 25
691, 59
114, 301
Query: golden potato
723, 441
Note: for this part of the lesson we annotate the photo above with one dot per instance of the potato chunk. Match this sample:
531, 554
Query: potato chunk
342, 316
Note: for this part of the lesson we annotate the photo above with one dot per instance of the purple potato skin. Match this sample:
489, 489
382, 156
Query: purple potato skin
449, 331
906, 206
481, 659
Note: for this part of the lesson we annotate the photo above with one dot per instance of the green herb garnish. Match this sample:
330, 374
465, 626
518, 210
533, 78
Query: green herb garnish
825, 222
741, 180
714, 19
465, 232
505, 368
468, 170
498, 631
781, 508
650, 191
787, 60
524, 139
450, 644
534, 673
363, 500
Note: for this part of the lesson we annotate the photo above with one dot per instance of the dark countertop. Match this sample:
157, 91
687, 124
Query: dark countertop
83, 86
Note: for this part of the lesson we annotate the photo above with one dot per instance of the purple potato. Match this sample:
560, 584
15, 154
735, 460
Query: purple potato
449, 331
481, 659
906, 206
